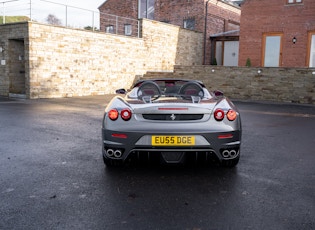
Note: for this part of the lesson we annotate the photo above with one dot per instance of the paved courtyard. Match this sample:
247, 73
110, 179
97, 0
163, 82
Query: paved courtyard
53, 177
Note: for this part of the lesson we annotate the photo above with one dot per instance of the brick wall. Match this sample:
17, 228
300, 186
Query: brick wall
295, 85
264, 16
221, 16
126, 8
62, 62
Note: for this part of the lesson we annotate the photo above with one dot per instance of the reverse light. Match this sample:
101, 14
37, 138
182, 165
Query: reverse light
219, 114
125, 114
113, 114
231, 115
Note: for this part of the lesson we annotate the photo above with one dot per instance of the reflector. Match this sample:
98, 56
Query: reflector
119, 135
225, 136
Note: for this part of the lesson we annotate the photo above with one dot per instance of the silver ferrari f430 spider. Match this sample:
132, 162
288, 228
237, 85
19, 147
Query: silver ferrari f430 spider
172, 121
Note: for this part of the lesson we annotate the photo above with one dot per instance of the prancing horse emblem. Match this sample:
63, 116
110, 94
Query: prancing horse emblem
173, 117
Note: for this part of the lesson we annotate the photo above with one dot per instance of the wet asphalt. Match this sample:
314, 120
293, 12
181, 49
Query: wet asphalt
52, 175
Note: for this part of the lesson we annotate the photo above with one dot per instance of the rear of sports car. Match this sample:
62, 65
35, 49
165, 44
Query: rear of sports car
171, 131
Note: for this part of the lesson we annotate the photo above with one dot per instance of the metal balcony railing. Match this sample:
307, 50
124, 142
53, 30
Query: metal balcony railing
49, 12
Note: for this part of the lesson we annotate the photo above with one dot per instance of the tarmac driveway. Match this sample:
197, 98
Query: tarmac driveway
53, 177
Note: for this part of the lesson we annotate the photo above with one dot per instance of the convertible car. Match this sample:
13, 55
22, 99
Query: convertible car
172, 121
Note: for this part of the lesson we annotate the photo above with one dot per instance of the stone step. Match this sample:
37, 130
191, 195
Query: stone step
157, 75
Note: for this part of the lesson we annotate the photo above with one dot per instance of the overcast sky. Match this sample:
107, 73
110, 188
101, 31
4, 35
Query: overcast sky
69, 12
85, 4
75, 17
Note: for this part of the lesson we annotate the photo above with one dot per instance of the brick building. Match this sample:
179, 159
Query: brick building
278, 33
207, 16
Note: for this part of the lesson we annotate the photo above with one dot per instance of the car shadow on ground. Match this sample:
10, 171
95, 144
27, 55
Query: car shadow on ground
210, 169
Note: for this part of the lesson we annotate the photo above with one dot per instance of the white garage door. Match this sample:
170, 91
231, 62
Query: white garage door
231, 53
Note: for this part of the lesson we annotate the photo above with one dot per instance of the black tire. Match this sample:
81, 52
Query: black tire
230, 163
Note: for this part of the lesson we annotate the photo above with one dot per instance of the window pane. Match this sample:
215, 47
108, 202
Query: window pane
142, 8
272, 51
150, 9
146, 9
189, 24
128, 29
109, 29
312, 53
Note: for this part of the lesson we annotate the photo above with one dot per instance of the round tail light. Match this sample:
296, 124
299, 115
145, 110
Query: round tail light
219, 114
125, 114
113, 114
231, 115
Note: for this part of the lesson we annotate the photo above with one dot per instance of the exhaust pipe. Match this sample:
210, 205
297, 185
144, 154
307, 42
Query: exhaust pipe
226, 153
117, 154
233, 153
229, 153
110, 152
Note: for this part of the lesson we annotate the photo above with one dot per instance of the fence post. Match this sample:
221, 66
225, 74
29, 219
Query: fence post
31, 10
66, 16
3, 15
93, 21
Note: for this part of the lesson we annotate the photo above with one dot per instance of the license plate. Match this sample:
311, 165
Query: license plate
173, 140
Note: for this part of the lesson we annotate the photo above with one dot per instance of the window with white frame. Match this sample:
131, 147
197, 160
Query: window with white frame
311, 49
189, 23
146, 9
294, 1
109, 29
128, 29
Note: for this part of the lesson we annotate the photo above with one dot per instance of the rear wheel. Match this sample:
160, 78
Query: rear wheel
230, 163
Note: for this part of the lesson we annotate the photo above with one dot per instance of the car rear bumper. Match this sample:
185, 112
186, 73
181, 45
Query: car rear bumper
223, 145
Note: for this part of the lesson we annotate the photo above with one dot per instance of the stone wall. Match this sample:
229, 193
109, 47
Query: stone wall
13, 46
293, 85
63, 62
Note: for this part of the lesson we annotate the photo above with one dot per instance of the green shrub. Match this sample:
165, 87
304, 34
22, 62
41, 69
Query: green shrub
248, 62
214, 62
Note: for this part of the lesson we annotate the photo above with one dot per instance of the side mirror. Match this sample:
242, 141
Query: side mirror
218, 93
121, 91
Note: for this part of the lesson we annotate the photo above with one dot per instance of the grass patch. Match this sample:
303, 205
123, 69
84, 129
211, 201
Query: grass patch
12, 19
